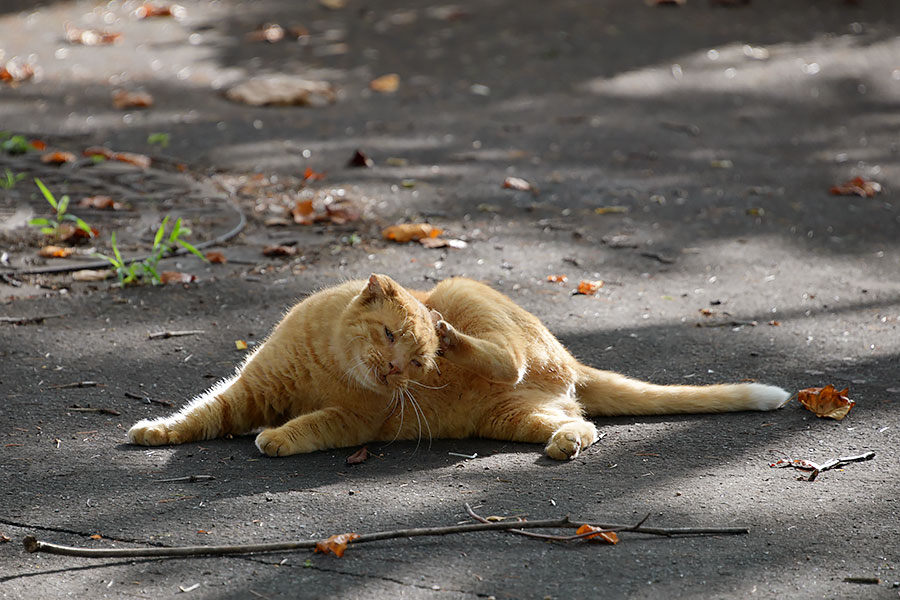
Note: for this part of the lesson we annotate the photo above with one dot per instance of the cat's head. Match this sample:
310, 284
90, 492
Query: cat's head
390, 336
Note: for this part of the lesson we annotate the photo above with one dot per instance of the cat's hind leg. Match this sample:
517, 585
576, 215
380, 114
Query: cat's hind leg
226, 408
536, 417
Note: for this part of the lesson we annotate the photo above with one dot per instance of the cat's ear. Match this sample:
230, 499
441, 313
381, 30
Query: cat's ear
435, 316
379, 287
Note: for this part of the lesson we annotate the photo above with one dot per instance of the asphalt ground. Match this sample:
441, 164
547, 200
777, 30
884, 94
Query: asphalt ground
681, 154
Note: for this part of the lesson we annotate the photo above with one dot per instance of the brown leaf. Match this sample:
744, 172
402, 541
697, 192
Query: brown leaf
359, 159
386, 84
589, 288
138, 160
15, 71
69, 232
96, 536
123, 99
91, 37
608, 537
56, 252
360, 456
150, 10
91, 275
340, 214
607, 210
176, 277
557, 278
100, 202
439, 242
279, 251
216, 257
826, 401
38, 145
240, 344
310, 175
410, 231
335, 544
517, 183
57, 158
856, 187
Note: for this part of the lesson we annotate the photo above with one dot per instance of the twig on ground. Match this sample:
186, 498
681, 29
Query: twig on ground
88, 409
34, 545
188, 478
169, 334
816, 468
28, 320
148, 399
76, 384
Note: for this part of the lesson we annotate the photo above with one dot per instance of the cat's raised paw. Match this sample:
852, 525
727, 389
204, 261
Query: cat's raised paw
152, 433
569, 440
273, 442
446, 334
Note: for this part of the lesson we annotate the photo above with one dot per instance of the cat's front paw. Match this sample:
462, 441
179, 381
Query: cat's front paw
446, 335
569, 440
152, 433
275, 442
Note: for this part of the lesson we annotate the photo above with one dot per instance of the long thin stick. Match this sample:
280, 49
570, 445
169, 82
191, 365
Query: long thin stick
34, 545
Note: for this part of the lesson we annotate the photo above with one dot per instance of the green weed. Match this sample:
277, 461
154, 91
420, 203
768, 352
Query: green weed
14, 144
53, 227
159, 139
146, 270
10, 180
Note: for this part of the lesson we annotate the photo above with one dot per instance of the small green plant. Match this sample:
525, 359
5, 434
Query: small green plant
159, 139
9, 181
146, 269
54, 227
14, 144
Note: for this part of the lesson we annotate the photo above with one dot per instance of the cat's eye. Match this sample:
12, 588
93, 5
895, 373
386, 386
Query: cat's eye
389, 335
416, 363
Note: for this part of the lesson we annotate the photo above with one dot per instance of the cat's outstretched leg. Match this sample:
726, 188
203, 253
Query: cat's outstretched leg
493, 361
318, 430
226, 408
532, 416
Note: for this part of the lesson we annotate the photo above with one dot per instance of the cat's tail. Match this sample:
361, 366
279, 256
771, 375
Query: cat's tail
604, 393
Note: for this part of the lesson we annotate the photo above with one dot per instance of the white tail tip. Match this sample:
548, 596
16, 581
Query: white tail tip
767, 397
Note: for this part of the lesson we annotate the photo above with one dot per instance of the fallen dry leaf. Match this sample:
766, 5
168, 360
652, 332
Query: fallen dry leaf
360, 456
359, 159
336, 544
856, 187
439, 242
267, 32
279, 251
310, 175
15, 71
123, 99
138, 160
91, 37
407, 232
96, 536
56, 252
607, 210
216, 257
557, 278
589, 288
149, 10
240, 344
91, 275
69, 232
304, 212
608, 537
57, 158
176, 277
282, 90
517, 183
4, 539
38, 145
826, 401
386, 84
100, 202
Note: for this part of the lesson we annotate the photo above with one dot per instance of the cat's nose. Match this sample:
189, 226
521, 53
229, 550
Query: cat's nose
393, 369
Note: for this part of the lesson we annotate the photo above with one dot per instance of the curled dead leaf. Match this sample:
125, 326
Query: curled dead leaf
557, 278
386, 84
96, 536
607, 537
101, 203
336, 544
857, 186
176, 277
517, 183
826, 401
360, 456
91, 37
56, 252
589, 288
71, 233
57, 158
216, 257
310, 175
406, 232
149, 10
16, 71
123, 99
91, 275
277, 250
438, 242
138, 160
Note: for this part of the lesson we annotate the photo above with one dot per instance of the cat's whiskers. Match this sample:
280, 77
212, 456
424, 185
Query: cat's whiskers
396, 396
430, 387
418, 410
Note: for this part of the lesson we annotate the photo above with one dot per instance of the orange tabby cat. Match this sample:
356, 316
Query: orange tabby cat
371, 361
